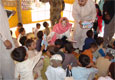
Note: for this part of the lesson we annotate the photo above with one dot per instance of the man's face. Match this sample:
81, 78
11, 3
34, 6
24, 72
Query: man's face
82, 2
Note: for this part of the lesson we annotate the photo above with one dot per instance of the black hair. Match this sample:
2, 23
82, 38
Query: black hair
59, 42
84, 60
38, 24
23, 40
99, 13
20, 25
11, 32
99, 40
52, 49
40, 34
45, 24
64, 40
69, 47
18, 54
21, 30
93, 45
28, 42
112, 70
89, 33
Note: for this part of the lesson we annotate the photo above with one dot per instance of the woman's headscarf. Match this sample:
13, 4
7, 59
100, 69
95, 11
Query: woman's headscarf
59, 29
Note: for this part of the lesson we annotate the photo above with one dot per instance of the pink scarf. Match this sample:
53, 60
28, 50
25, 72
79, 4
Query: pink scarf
59, 29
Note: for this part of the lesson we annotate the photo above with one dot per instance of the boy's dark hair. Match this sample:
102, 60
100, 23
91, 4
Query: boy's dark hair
38, 24
18, 54
84, 60
23, 40
21, 30
40, 34
64, 40
59, 42
112, 70
19, 24
52, 49
28, 42
93, 45
99, 40
89, 33
11, 32
69, 47
45, 24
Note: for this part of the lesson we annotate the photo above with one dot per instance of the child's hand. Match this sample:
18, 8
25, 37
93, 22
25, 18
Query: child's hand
70, 67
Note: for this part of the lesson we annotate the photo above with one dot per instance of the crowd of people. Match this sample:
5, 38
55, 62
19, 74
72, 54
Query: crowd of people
61, 53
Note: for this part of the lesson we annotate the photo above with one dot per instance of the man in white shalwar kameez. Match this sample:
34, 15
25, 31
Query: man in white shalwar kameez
81, 13
6, 63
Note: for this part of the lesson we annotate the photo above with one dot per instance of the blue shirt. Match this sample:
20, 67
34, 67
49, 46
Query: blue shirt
88, 42
82, 73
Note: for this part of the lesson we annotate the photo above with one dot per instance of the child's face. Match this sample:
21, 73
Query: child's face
23, 33
93, 49
33, 46
38, 27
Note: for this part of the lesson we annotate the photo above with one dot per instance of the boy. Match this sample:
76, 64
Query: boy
103, 63
21, 34
55, 71
37, 29
24, 65
58, 43
19, 25
89, 52
47, 30
31, 45
88, 40
39, 41
82, 72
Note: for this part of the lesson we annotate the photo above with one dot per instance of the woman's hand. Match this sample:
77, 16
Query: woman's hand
8, 44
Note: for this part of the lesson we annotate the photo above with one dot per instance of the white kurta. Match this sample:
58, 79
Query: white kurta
6, 63
55, 73
84, 13
25, 69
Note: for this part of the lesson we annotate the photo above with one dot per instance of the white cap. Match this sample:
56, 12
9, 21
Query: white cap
56, 57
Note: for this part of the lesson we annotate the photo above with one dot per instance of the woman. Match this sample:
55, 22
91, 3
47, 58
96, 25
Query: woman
6, 46
60, 30
83, 10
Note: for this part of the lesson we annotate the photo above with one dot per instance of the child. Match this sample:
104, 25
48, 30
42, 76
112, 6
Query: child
30, 44
39, 41
70, 59
103, 63
89, 52
19, 25
58, 43
47, 30
55, 71
23, 40
37, 29
100, 52
112, 51
82, 72
24, 66
88, 40
21, 34
50, 51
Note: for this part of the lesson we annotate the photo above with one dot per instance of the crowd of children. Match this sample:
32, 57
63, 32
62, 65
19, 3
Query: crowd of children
35, 61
